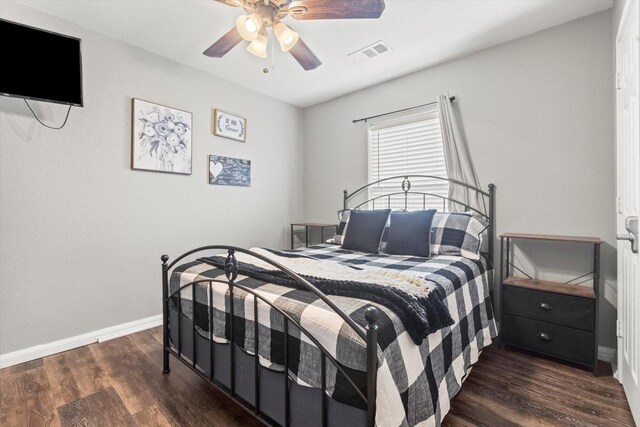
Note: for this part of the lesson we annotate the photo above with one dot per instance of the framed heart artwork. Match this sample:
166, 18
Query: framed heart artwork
229, 171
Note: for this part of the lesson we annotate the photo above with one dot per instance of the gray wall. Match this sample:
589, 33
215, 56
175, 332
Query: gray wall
82, 233
618, 7
538, 114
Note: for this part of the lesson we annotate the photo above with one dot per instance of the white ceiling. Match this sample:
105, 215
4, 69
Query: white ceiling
422, 33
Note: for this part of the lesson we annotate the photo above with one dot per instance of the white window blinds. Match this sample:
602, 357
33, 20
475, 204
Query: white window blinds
408, 145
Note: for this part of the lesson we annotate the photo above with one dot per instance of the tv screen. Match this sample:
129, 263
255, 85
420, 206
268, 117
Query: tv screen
40, 65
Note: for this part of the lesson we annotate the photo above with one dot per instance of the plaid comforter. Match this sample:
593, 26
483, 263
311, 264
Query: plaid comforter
415, 382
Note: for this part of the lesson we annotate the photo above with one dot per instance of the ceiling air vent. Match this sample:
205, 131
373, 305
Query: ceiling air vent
373, 50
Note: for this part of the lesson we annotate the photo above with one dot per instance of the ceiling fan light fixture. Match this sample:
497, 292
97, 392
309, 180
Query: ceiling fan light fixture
259, 15
249, 26
259, 46
286, 36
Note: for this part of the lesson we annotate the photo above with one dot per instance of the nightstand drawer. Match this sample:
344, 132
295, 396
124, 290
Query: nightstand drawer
564, 310
559, 341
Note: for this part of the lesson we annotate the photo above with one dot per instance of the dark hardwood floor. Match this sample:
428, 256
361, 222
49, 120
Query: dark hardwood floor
119, 383
508, 387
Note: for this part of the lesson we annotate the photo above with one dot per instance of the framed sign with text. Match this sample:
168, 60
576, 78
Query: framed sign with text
229, 126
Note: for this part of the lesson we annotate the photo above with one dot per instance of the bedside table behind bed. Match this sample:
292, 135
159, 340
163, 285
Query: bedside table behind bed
306, 226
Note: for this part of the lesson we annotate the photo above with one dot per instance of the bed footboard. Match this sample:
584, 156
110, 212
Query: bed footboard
206, 357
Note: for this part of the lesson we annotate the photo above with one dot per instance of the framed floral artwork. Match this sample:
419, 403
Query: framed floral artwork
229, 126
160, 138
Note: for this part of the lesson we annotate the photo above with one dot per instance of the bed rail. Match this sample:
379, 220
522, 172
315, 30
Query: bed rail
369, 334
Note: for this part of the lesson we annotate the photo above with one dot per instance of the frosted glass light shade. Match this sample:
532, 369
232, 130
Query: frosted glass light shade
259, 46
249, 26
286, 36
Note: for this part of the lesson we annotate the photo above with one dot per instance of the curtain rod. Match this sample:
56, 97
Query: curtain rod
364, 119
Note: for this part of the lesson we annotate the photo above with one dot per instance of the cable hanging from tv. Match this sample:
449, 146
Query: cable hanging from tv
46, 125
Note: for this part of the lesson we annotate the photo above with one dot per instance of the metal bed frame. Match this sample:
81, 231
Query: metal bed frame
206, 368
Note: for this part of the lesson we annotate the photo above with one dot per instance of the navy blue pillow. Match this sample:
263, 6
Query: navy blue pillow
409, 233
365, 228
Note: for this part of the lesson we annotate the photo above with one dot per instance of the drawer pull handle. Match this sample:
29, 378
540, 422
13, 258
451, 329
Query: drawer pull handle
544, 337
544, 306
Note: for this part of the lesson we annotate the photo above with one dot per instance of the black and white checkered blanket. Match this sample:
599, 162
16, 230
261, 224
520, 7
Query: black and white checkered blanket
415, 382
416, 302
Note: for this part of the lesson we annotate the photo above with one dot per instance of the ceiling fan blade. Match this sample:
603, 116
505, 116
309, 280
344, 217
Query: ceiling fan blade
233, 3
224, 44
337, 9
305, 57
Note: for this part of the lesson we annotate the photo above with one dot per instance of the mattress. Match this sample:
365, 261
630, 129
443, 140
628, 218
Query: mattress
414, 383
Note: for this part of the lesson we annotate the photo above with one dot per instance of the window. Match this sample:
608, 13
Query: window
408, 145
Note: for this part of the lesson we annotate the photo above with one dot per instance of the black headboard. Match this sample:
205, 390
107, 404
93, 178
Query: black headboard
427, 195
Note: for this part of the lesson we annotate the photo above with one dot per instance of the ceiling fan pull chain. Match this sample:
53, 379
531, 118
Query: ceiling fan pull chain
273, 52
268, 67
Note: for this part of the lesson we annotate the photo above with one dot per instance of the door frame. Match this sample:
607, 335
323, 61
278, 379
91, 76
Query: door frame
626, 16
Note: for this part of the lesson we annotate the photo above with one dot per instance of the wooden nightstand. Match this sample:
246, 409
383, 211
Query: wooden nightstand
552, 318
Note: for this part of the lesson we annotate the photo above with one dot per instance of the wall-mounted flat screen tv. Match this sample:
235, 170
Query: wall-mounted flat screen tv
40, 65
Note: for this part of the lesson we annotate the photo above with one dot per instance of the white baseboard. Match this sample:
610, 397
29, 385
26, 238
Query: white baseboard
129, 328
101, 335
606, 354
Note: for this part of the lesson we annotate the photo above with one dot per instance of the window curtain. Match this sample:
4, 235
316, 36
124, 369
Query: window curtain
458, 161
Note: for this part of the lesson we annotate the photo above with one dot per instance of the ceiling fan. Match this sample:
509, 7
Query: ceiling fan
264, 14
